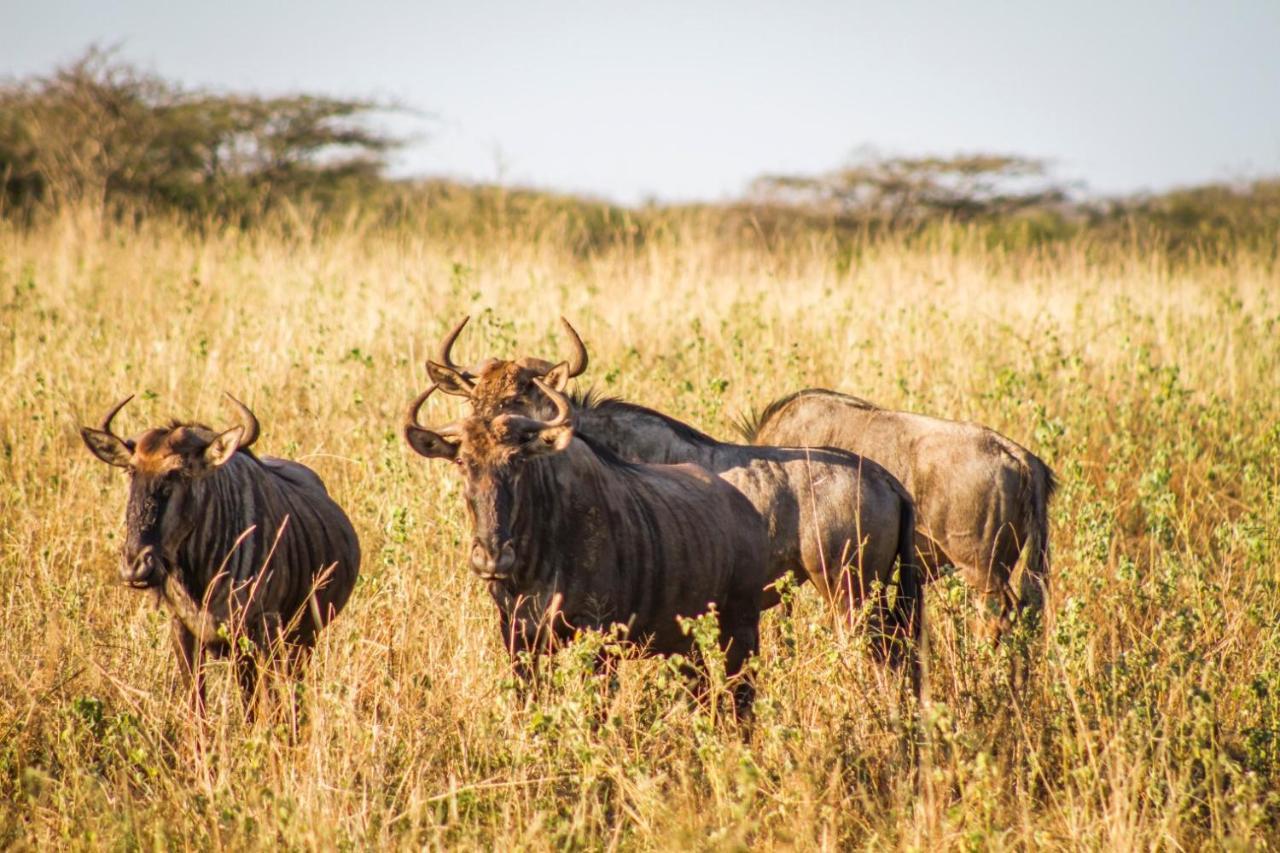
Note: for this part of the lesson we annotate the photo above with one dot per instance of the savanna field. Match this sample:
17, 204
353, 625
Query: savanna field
1150, 716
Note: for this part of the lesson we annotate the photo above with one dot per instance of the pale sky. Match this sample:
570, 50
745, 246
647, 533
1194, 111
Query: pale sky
692, 100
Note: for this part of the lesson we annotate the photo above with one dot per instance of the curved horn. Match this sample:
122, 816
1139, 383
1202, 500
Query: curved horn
577, 361
105, 426
563, 412
442, 354
411, 414
248, 420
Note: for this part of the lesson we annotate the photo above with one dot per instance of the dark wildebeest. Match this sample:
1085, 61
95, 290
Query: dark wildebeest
835, 519
232, 544
568, 536
981, 498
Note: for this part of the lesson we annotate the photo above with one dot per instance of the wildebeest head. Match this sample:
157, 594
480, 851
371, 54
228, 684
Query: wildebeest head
495, 386
490, 453
163, 463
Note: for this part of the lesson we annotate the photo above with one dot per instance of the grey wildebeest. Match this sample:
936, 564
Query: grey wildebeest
981, 498
233, 545
835, 519
568, 536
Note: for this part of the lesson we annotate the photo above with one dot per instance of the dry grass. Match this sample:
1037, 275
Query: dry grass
1153, 719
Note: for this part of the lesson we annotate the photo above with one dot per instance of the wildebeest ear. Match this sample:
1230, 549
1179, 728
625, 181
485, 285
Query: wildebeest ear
558, 376
450, 381
107, 447
430, 444
223, 447
550, 440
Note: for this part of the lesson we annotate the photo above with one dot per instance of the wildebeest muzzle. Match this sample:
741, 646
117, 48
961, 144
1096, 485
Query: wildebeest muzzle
145, 570
489, 567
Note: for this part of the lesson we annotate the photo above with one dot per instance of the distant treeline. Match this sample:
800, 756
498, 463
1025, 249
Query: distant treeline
102, 134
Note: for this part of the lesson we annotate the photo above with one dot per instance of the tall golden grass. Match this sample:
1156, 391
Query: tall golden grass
1152, 713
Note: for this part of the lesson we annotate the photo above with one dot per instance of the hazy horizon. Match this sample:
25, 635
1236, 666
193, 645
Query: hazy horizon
683, 104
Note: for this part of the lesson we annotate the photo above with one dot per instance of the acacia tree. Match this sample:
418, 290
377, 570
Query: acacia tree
911, 189
101, 132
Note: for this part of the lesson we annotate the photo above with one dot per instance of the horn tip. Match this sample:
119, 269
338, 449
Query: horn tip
105, 425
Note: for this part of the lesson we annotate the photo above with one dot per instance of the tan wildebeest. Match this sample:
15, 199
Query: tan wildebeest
981, 498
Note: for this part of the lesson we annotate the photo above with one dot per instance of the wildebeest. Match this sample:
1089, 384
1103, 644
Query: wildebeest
834, 518
981, 498
569, 536
233, 545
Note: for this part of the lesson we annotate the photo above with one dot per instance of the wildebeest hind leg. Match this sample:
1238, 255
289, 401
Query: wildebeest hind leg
296, 656
740, 639
277, 659
605, 669
997, 605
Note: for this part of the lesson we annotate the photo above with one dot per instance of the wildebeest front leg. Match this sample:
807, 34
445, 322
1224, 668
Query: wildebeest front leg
190, 655
247, 676
522, 657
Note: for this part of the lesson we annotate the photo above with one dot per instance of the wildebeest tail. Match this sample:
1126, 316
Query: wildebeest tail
908, 607
910, 585
1035, 580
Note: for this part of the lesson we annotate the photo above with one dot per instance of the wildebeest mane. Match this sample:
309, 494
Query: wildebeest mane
593, 401
749, 423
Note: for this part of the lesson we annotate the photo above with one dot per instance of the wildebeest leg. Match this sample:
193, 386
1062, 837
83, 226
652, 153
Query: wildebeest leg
1023, 603
297, 656
247, 676
845, 594
890, 629
294, 668
905, 624
190, 654
997, 605
250, 649
987, 580
854, 591
998, 611
270, 653
740, 640
523, 661
891, 635
605, 668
